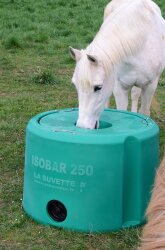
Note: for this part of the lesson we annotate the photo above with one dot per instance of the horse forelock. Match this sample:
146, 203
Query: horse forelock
84, 73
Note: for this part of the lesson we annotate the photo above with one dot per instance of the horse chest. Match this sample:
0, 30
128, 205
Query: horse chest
126, 75
136, 73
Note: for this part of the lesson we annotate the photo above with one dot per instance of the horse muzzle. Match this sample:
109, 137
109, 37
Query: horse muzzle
87, 124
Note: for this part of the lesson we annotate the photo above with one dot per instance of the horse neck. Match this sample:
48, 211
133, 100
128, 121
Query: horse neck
122, 35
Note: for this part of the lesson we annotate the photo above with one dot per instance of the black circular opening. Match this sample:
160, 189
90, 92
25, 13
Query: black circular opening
56, 210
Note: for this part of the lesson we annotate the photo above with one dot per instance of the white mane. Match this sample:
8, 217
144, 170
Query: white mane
122, 34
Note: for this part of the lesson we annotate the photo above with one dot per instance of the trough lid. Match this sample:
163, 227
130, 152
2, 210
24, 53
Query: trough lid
111, 122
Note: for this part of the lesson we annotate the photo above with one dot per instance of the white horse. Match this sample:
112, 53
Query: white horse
128, 52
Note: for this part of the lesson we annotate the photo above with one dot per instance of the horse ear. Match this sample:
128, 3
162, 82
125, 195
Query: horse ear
92, 59
75, 54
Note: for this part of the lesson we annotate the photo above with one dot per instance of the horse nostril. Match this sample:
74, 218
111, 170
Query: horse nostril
96, 125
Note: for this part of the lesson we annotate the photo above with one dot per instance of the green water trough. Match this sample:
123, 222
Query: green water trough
89, 180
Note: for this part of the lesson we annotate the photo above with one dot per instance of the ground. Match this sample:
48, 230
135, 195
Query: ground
35, 76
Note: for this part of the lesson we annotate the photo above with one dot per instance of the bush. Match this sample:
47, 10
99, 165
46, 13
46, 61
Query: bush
44, 77
12, 42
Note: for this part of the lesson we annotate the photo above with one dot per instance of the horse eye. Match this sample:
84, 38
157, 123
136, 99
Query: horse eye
97, 88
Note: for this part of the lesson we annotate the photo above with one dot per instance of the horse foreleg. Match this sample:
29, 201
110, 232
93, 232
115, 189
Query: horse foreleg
135, 94
146, 97
121, 97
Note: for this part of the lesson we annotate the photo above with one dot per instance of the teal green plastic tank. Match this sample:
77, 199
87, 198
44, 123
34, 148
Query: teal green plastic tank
90, 180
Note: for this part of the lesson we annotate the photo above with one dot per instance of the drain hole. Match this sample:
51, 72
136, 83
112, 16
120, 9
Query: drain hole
56, 210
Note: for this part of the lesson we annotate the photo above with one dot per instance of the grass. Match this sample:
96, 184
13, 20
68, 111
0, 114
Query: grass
35, 76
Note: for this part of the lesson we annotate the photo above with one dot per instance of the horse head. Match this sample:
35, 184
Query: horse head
92, 86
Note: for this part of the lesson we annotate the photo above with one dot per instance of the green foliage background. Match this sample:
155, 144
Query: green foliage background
35, 76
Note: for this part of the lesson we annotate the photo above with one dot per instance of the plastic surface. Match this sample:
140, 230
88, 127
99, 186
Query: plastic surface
89, 180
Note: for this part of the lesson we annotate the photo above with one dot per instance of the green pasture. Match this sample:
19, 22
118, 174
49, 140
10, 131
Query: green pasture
35, 76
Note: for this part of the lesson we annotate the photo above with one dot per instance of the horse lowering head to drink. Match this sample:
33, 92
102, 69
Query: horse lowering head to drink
94, 87
127, 53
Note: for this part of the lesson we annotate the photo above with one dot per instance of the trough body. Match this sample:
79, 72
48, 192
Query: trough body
89, 180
